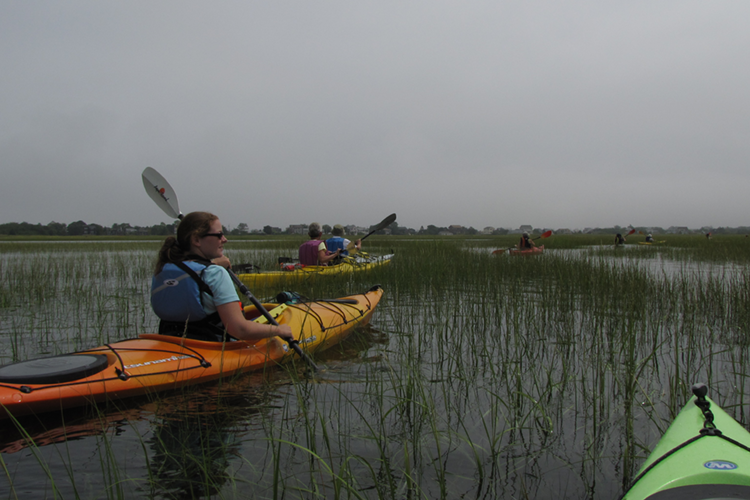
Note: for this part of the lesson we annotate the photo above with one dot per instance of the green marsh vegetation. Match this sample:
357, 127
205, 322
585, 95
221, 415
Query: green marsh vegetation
483, 376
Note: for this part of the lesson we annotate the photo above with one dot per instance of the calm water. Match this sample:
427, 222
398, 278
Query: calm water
463, 387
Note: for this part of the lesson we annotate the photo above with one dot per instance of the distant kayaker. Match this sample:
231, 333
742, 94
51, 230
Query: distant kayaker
526, 242
196, 298
619, 239
315, 252
338, 242
649, 238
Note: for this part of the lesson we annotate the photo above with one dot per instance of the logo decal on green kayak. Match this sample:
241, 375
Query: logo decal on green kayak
720, 465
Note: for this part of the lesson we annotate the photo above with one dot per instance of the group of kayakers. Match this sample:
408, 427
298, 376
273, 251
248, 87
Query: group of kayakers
317, 252
620, 239
193, 294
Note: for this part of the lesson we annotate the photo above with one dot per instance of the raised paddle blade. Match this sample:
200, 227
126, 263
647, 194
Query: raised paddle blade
383, 224
632, 231
161, 192
545, 234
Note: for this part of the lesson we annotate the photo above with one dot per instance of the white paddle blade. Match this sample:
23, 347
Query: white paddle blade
161, 192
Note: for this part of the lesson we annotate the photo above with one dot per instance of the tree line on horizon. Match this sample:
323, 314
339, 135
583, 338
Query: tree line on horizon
81, 228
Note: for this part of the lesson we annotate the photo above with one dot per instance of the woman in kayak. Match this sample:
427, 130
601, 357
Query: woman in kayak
314, 251
525, 242
619, 239
195, 297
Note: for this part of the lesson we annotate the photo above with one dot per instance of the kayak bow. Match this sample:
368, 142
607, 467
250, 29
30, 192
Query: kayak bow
704, 454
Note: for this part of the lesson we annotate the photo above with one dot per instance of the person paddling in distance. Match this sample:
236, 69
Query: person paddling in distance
314, 252
526, 242
619, 239
338, 242
196, 298
649, 238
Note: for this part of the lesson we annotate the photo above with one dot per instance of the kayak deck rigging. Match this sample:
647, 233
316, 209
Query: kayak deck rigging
152, 362
694, 468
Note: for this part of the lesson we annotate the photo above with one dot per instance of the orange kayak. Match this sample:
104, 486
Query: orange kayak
152, 363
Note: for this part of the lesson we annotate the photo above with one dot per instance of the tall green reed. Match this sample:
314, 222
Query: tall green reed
499, 376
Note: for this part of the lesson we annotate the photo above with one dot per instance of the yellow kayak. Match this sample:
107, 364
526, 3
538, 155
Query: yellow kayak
660, 242
295, 273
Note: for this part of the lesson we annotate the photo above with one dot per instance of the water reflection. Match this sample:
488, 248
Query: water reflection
196, 436
194, 441
239, 398
53, 428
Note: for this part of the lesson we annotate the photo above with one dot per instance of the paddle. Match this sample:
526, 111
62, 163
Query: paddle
352, 249
164, 196
545, 234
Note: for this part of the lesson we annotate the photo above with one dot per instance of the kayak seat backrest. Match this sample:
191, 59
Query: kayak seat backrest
53, 370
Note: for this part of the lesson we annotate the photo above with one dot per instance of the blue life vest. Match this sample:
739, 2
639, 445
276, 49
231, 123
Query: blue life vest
176, 295
336, 242
176, 299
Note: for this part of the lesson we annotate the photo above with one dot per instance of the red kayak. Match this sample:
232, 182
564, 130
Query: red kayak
528, 251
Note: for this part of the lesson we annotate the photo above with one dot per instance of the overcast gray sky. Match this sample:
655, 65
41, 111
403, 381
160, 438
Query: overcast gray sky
480, 113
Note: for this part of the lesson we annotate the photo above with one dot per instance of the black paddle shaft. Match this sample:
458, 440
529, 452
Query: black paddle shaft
294, 344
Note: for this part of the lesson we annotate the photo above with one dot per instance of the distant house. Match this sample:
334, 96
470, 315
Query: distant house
525, 229
487, 230
297, 229
445, 233
563, 231
678, 230
353, 229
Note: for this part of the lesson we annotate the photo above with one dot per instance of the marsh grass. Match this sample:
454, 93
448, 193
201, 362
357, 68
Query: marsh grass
484, 376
